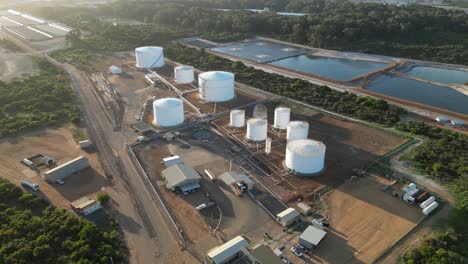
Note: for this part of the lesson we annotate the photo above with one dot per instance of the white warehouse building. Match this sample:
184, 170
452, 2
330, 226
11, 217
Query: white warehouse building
216, 86
168, 112
228, 251
150, 57
305, 156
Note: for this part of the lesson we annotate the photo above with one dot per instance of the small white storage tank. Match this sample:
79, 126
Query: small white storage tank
260, 111
305, 156
216, 86
237, 118
297, 130
184, 74
427, 202
149, 57
430, 208
257, 129
282, 115
168, 112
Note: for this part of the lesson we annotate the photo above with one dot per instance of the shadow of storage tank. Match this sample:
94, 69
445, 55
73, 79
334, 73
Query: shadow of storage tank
216, 86
150, 57
168, 112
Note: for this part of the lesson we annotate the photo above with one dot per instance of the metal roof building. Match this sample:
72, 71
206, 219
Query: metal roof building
66, 169
304, 208
287, 216
311, 237
181, 177
85, 206
228, 250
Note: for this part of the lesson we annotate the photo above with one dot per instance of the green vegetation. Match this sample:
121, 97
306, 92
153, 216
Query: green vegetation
41, 100
444, 156
9, 45
345, 103
32, 232
103, 198
75, 56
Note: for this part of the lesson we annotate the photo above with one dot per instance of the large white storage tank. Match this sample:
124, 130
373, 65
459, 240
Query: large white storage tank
305, 156
168, 112
237, 118
184, 74
257, 129
216, 86
297, 130
282, 116
150, 57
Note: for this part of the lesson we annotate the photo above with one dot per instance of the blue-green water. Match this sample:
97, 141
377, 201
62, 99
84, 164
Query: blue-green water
421, 92
333, 68
439, 74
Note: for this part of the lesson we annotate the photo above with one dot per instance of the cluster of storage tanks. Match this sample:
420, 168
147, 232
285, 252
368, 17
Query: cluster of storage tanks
426, 202
303, 155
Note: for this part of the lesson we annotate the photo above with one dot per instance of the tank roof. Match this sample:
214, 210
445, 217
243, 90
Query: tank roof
306, 147
168, 102
184, 67
282, 109
216, 75
256, 121
149, 48
298, 124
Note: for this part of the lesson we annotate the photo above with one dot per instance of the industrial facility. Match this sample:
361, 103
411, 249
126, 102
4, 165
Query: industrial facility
85, 206
184, 74
312, 236
67, 169
305, 156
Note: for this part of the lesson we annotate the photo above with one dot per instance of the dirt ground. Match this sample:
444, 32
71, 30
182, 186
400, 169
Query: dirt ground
364, 221
57, 143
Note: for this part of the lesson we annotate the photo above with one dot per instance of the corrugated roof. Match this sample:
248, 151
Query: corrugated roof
228, 249
177, 174
288, 214
66, 164
313, 235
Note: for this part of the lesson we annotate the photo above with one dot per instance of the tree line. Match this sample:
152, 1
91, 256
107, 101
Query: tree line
42, 99
33, 232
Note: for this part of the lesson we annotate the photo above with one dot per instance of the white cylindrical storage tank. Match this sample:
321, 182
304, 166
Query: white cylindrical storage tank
427, 202
149, 57
305, 156
216, 86
257, 129
297, 130
184, 74
168, 112
430, 208
281, 119
237, 118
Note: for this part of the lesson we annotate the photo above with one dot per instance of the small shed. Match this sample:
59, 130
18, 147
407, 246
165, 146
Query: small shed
304, 208
228, 250
287, 217
311, 237
115, 70
181, 177
85, 206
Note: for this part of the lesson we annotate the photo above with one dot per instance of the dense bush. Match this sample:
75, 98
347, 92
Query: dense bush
9, 45
36, 101
51, 235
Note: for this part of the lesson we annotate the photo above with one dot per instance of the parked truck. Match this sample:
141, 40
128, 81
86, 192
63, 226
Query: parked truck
408, 196
422, 196
33, 186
